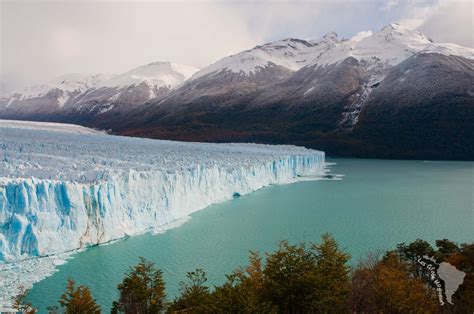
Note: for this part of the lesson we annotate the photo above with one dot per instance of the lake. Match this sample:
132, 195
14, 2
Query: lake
376, 205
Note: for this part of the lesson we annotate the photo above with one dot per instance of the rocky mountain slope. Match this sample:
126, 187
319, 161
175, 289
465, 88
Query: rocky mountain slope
392, 94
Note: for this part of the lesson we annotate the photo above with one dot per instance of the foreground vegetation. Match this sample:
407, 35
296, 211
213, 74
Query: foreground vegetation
301, 278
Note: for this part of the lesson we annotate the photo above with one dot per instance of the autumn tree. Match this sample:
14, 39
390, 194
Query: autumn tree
142, 291
243, 290
195, 295
412, 252
333, 282
445, 248
362, 295
301, 278
295, 279
21, 304
386, 286
78, 300
415, 249
397, 291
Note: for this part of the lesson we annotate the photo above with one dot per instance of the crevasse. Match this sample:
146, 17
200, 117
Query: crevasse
53, 213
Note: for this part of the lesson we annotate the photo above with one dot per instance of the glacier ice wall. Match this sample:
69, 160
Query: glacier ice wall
64, 191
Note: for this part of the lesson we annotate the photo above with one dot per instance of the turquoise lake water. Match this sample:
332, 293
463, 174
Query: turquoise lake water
378, 204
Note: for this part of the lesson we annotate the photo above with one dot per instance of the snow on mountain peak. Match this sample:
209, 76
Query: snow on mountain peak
448, 49
399, 32
160, 74
392, 26
386, 47
389, 46
68, 83
290, 53
63, 88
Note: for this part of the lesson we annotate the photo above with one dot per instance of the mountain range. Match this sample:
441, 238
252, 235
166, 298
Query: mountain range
391, 94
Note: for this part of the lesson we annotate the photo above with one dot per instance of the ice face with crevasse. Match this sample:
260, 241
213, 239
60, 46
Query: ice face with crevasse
63, 188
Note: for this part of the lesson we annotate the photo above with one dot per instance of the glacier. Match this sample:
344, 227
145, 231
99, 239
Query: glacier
62, 189
65, 187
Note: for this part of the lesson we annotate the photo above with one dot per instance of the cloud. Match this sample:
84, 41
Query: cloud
389, 4
41, 40
443, 20
450, 21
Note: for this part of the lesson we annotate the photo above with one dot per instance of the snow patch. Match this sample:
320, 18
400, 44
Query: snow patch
350, 116
450, 50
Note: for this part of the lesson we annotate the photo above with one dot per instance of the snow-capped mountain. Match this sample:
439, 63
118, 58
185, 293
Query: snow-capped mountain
159, 74
73, 82
320, 93
99, 93
290, 53
279, 61
52, 94
126, 91
327, 93
390, 46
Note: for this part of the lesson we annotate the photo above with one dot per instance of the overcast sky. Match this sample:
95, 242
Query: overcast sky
43, 39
